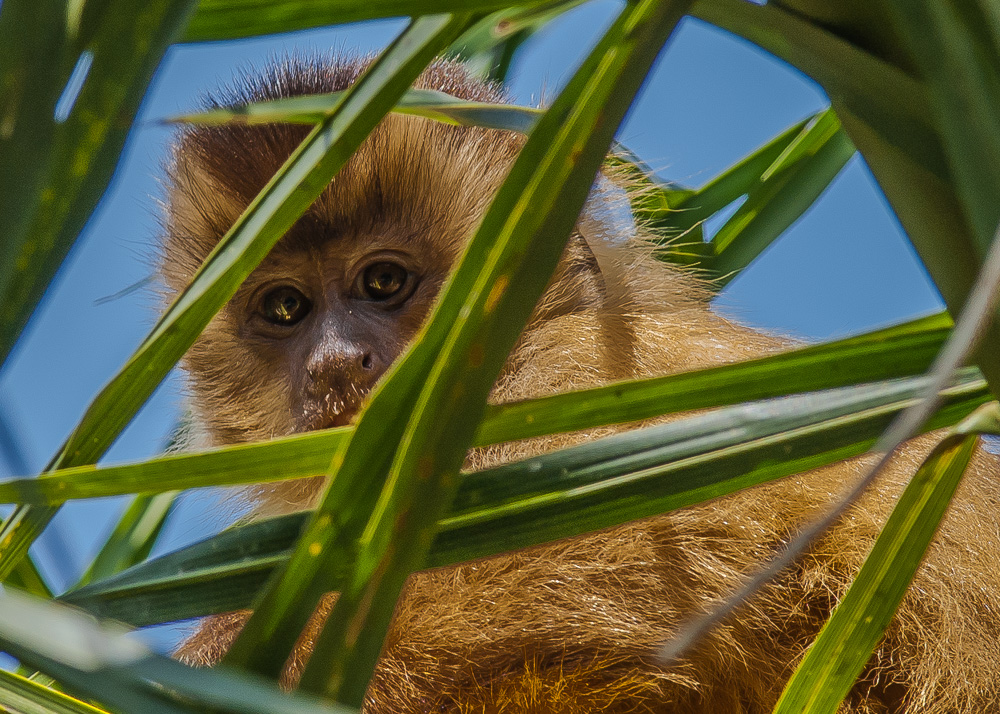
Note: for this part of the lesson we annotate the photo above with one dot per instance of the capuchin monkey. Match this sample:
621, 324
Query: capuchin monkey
573, 626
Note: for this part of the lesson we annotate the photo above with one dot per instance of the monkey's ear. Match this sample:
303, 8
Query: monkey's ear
199, 211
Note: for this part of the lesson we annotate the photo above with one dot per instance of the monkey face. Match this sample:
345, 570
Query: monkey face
325, 317
345, 290
313, 328
338, 333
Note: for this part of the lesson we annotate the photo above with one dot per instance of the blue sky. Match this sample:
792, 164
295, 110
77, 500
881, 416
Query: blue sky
712, 98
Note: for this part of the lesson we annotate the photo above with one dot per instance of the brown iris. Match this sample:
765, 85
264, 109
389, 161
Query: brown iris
285, 306
383, 280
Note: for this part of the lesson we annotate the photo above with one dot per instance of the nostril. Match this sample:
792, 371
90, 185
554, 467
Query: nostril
366, 362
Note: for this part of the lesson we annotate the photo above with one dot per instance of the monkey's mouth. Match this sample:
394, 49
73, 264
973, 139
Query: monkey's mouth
327, 415
342, 419
326, 420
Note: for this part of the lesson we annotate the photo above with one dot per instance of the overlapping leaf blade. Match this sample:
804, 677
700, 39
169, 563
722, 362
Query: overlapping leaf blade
478, 321
23, 695
232, 19
844, 646
302, 178
577, 490
777, 184
100, 661
898, 351
426, 103
786, 190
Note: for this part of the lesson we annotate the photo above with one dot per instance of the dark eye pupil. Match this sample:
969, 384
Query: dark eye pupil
285, 306
383, 280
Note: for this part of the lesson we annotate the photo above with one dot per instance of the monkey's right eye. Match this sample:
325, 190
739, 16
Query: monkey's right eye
285, 306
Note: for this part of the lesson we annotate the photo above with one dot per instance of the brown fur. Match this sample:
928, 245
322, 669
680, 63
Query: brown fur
569, 627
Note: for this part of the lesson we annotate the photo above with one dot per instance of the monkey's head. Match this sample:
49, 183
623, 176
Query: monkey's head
319, 321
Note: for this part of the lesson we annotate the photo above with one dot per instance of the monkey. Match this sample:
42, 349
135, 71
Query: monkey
571, 626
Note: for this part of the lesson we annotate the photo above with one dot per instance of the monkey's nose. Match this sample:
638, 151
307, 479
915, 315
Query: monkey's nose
336, 385
317, 368
343, 371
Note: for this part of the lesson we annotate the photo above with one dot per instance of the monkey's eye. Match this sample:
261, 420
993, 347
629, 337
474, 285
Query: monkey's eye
285, 306
383, 280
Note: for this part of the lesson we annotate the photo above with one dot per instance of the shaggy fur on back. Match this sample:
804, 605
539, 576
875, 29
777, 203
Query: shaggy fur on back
572, 627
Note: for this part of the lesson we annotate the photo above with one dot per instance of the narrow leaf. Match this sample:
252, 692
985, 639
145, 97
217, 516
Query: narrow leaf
219, 574
677, 215
427, 103
22, 695
898, 351
787, 190
133, 537
296, 185
288, 457
100, 661
845, 644
595, 485
232, 19
736, 181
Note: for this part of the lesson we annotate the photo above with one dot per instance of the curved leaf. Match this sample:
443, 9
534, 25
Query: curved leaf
568, 492
846, 642
23, 695
292, 190
232, 19
427, 103
898, 351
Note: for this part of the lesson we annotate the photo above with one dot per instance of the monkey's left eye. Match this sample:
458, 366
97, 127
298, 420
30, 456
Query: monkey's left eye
285, 306
383, 281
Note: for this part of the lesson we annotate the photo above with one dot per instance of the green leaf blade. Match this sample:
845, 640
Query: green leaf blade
577, 490
232, 19
787, 190
28, 697
845, 644
126, 46
426, 103
133, 537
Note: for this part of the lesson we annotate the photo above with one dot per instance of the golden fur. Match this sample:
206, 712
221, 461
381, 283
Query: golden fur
570, 627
